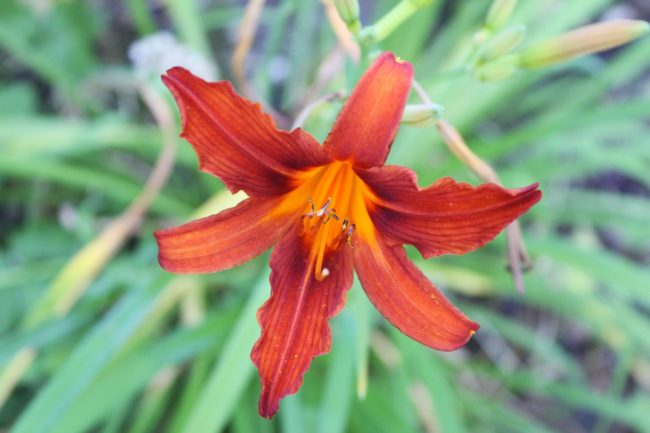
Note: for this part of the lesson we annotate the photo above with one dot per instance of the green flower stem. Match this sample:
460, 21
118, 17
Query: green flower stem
396, 16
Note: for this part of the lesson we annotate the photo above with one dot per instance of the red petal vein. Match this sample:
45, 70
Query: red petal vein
221, 241
447, 217
367, 124
235, 140
294, 321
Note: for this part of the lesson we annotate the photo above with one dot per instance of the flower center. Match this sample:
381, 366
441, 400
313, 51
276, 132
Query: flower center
332, 203
325, 237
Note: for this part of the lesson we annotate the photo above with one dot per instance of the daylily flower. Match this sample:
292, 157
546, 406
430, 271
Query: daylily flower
328, 210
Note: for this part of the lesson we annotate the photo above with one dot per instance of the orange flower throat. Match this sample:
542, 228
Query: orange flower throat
333, 203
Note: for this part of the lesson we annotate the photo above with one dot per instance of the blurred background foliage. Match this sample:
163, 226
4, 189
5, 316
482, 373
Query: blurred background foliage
95, 337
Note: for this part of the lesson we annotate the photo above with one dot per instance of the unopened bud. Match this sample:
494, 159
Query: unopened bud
498, 70
421, 115
582, 41
349, 13
499, 13
503, 43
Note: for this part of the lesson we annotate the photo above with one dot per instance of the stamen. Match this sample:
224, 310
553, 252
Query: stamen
337, 184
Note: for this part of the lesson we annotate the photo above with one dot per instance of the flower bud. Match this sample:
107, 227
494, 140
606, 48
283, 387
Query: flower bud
421, 115
349, 12
499, 13
503, 43
498, 70
582, 41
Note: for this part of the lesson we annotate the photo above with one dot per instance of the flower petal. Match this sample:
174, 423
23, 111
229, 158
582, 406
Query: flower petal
447, 217
294, 321
235, 140
405, 297
221, 241
367, 124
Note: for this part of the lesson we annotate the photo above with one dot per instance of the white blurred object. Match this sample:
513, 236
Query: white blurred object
39, 7
279, 69
618, 12
153, 55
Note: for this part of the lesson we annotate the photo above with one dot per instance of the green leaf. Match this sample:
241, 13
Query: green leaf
234, 368
88, 359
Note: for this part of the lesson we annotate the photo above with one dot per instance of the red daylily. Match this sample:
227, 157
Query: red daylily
328, 210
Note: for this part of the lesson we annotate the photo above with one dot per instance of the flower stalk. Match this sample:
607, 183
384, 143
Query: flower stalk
342, 31
393, 19
245, 36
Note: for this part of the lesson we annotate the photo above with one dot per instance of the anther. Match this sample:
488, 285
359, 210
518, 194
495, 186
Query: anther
349, 235
320, 212
331, 214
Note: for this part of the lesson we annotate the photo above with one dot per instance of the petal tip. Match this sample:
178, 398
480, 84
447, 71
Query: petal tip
389, 56
172, 75
163, 263
473, 328
267, 408
534, 193
533, 187
175, 71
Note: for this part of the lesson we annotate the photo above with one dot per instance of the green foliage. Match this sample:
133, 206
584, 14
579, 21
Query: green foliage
142, 351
